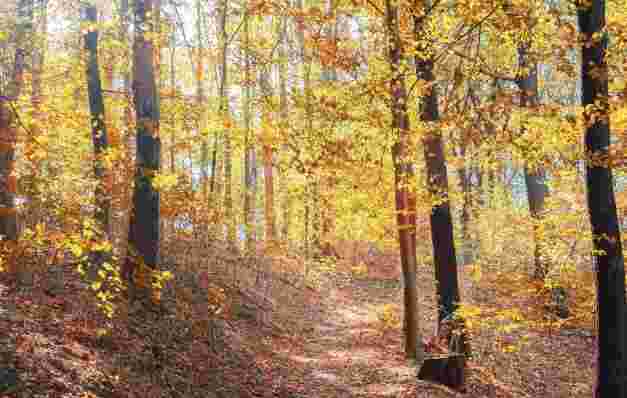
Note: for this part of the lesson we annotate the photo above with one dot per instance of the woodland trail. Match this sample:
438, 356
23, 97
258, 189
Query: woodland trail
347, 353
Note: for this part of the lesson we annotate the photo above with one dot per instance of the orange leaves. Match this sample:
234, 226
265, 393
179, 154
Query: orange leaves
268, 131
227, 122
328, 52
12, 184
6, 211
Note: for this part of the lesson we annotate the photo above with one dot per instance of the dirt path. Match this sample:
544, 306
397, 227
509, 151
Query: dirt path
347, 354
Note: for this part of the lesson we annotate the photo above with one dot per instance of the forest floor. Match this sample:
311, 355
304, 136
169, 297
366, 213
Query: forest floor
341, 349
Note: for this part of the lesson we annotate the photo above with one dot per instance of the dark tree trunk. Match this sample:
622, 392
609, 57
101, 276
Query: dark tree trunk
97, 112
144, 221
611, 350
403, 174
534, 174
98, 133
441, 220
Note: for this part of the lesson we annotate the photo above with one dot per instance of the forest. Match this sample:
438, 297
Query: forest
313, 198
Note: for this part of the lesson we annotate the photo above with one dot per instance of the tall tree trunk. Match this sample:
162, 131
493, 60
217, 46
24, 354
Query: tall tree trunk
225, 113
313, 238
143, 256
610, 269
403, 174
440, 218
35, 165
464, 181
250, 157
8, 132
268, 158
130, 141
327, 181
174, 91
8, 136
284, 116
99, 133
310, 180
200, 103
534, 174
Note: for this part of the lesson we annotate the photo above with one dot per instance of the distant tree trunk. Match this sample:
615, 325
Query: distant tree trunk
311, 196
200, 103
310, 181
464, 181
268, 174
99, 132
284, 114
440, 218
327, 181
172, 114
316, 244
268, 159
225, 112
143, 256
608, 256
250, 157
307, 218
403, 174
534, 174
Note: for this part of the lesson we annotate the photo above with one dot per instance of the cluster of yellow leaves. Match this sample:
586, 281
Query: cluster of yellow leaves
389, 316
360, 270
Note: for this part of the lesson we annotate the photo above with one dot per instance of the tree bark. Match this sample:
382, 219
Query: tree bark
8, 132
143, 256
464, 181
200, 100
98, 132
611, 352
225, 112
403, 174
130, 141
327, 180
284, 114
173, 117
534, 174
250, 157
440, 218
31, 182
268, 158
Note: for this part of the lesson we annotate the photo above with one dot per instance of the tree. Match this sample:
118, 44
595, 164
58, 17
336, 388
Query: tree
224, 111
611, 366
98, 129
8, 138
201, 100
534, 172
285, 122
31, 182
8, 132
250, 157
143, 238
403, 174
442, 238
268, 156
